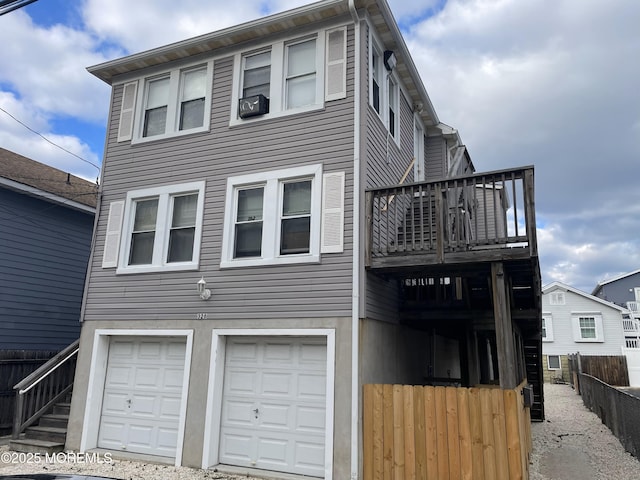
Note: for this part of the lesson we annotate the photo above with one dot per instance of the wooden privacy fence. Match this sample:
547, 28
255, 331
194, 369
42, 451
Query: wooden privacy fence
424, 433
611, 369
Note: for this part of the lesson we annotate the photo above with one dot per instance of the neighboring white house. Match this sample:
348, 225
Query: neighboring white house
574, 321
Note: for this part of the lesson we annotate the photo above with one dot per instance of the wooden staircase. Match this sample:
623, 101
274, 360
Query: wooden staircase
48, 435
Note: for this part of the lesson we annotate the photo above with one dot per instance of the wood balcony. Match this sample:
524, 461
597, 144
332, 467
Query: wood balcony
465, 220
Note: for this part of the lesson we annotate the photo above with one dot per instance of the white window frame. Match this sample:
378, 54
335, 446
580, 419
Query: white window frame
557, 298
388, 85
277, 100
418, 150
172, 128
577, 331
549, 362
547, 319
272, 205
163, 228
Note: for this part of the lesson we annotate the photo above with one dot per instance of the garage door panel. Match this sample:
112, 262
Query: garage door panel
275, 416
284, 379
310, 419
141, 413
312, 387
277, 383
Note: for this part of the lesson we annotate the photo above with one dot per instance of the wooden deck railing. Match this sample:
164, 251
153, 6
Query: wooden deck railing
446, 218
40, 391
423, 433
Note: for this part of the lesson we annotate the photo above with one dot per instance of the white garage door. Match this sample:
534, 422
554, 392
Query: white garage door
142, 395
274, 402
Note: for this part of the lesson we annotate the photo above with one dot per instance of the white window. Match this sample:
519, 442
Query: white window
161, 229
553, 362
172, 103
587, 327
557, 298
276, 217
300, 85
547, 328
292, 75
384, 91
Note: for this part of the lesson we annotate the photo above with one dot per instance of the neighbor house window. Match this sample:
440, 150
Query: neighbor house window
273, 217
554, 362
556, 298
547, 328
172, 103
587, 327
161, 228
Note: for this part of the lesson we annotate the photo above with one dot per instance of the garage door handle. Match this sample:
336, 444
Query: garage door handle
256, 412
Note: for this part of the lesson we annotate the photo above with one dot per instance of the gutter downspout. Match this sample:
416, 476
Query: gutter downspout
355, 299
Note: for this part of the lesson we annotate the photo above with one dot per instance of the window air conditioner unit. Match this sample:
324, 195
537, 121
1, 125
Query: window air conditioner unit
253, 106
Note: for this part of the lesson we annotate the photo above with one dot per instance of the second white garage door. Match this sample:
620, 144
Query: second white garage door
142, 395
274, 404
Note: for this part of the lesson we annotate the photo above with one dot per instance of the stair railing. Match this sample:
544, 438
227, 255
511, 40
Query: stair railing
43, 388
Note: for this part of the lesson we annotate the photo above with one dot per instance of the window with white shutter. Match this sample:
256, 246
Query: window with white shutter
336, 71
127, 109
112, 238
332, 240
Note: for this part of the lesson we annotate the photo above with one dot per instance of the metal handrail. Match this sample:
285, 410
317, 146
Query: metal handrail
49, 385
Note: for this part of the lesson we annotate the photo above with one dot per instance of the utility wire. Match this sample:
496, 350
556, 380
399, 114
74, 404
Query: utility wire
52, 143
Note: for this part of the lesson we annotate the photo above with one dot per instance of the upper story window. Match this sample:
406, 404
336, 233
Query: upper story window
384, 91
587, 327
557, 298
283, 216
168, 104
273, 217
156, 229
293, 75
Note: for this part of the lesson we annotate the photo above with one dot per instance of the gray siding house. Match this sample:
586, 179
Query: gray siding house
46, 225
251, 271
623, 290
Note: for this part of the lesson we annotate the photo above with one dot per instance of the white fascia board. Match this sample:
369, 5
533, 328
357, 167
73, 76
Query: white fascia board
50, 197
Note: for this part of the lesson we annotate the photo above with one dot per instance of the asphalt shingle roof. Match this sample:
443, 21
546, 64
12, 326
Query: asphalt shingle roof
47, 179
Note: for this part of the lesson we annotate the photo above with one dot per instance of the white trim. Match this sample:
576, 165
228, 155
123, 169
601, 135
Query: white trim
547, 318
163, 227
577, 331
277, 86
271, 228
211, 444
97, 375
549, 363
175, 77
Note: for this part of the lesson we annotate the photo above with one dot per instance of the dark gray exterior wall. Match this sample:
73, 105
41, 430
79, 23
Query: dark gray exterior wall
619, 291
44, 249
277, 292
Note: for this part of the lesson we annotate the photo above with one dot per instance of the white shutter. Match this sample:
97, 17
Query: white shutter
336, 68
112, 238
127, 109
332, 238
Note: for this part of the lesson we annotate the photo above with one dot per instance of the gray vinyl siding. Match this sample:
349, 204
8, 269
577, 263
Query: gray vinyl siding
44, 249
436, 153
620, 291
280, 291
386, 163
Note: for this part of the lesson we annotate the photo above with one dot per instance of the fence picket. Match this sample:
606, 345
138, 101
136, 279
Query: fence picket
464, 425
453, 432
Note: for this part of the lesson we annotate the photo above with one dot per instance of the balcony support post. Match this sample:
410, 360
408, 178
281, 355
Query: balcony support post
505, 344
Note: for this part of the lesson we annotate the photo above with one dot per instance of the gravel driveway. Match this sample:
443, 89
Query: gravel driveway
570, 444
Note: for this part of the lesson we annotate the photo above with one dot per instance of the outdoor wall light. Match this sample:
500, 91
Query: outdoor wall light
390, 60
204, 292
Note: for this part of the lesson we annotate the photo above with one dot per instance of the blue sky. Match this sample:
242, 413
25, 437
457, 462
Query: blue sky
525, 82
